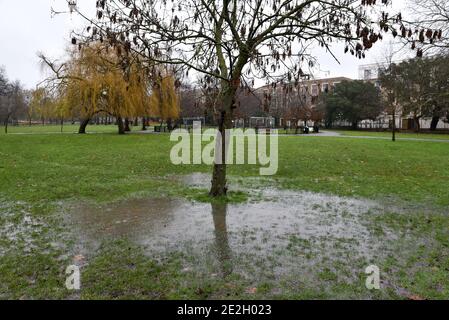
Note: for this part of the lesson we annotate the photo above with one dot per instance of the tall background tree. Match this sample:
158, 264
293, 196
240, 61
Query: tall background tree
420, 88
4, 91
438, 106
43, 104
353, 101
12, 100
389, 78
164, 99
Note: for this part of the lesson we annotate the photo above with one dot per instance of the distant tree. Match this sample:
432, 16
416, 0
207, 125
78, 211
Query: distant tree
164, 100
429, 23
43, 104
390, 89
317, 116
420, 87
353, 101
188, 100
438, 106
210, 98
12, 100
330, 112
299, 104
3, 83
390, 83
414, 90
29, 112
4, 90
249, 103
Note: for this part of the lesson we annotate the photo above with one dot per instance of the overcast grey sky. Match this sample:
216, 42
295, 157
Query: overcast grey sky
27, 27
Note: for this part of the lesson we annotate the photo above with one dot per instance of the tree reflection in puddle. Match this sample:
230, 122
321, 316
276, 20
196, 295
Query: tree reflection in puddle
219, 213
286, 231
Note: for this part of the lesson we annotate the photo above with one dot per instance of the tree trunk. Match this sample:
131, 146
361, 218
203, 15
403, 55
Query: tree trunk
160, 126
144, 124
219, 182
127, 127
355, 125
170, 125
417, 125
6, 125
83, 125
121, 127
434, 123
394, 126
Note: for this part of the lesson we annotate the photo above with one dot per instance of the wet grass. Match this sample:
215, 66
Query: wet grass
425, 269
105, 167
121, 270
39, 173
406, 135
411, 171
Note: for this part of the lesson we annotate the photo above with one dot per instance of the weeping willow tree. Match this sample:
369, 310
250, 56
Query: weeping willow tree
164, 100
43, 104
100, 80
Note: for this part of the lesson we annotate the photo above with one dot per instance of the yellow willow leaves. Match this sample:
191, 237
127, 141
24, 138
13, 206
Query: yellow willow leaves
101, 81
43, 104
164, 100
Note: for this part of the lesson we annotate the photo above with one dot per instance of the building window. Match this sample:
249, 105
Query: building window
325, 87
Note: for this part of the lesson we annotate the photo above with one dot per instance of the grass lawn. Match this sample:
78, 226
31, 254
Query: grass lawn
42, 173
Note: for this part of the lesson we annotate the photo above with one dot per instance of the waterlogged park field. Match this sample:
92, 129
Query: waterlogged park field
142, 228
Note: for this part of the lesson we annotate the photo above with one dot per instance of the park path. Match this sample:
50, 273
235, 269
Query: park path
322, 134
337, 134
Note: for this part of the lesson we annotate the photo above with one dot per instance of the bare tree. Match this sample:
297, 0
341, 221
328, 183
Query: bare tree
238, 41
388, 78
12, 100
429, 22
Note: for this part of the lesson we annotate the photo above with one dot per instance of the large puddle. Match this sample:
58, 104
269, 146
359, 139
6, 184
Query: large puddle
285, 231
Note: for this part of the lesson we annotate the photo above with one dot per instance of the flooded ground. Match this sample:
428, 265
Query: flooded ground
298, 234
18, 227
